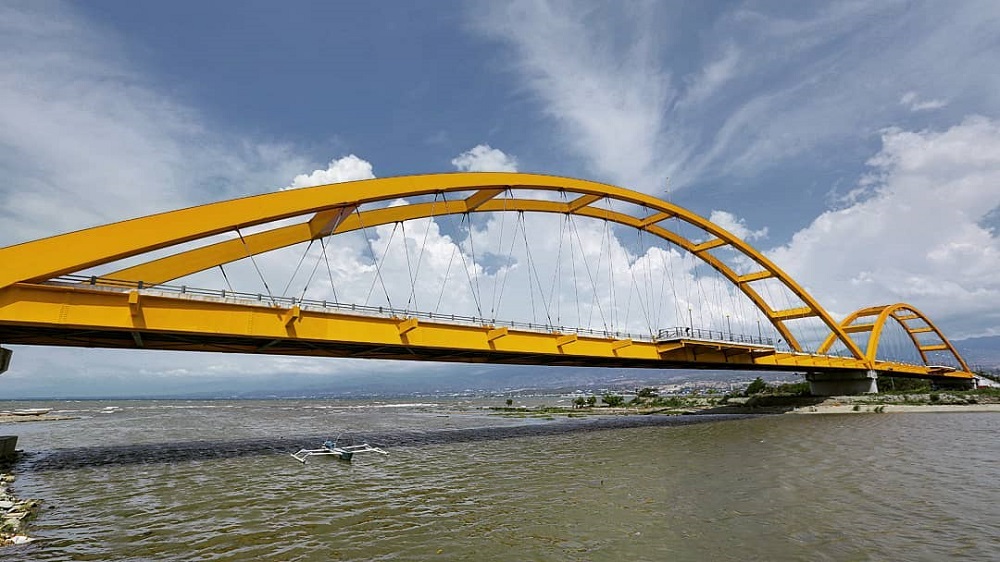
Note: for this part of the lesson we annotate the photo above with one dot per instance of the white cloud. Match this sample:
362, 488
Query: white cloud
712, 77
911, 101
348, 168
484, 158
737, 226
85, 139
916, 238
603, 88
815, 80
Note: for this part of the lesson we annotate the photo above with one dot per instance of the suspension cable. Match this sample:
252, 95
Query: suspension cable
329, 270
494, 303
586, 265
284, 292
556, 273
378, 268
420, 257
226, 277
254, 262
409, 269
506, 272
576, 285
311, 275
468, 274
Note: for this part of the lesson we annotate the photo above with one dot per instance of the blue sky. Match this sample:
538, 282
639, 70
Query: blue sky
863, 136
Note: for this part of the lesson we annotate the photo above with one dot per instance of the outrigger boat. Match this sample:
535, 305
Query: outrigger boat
338, 448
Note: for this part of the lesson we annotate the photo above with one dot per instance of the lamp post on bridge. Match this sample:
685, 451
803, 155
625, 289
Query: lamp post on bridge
729, 327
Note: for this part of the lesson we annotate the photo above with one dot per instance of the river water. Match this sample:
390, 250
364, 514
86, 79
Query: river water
213, 480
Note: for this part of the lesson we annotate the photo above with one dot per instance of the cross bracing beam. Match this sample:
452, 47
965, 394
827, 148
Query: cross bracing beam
903, 314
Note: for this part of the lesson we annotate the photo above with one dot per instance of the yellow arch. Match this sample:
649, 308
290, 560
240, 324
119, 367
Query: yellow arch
336, 208
906, 316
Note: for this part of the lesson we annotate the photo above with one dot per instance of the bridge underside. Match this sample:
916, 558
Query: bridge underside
121, 339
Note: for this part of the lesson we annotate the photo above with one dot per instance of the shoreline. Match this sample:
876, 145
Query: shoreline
895, 408
14, 513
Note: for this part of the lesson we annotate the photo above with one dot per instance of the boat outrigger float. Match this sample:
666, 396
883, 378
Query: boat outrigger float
338, 448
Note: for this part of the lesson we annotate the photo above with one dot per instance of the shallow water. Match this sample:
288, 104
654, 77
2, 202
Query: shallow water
212, 480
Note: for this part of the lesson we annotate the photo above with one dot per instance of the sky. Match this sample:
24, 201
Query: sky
856, 143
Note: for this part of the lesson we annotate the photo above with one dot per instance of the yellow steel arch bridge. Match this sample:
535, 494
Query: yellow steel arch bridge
73, 289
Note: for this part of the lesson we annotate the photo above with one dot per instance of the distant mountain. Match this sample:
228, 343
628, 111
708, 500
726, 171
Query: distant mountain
982, 352
444, 379
421, 379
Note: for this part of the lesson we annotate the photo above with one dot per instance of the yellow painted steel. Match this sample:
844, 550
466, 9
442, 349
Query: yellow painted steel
50, 257
96, 317
338, 208
903, 314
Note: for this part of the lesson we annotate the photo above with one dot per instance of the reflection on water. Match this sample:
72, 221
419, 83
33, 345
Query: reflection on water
213, 481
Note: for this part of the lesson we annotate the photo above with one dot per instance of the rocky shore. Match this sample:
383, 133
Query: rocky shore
14, 513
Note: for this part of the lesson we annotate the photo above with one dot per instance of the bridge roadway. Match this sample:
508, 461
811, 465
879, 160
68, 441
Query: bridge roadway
72, 312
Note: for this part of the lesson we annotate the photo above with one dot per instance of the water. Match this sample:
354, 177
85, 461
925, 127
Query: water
163, 480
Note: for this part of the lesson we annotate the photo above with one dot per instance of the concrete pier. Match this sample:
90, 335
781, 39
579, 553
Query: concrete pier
8, 444
842, 384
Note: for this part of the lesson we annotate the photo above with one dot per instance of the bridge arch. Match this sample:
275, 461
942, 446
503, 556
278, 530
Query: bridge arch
337, 208
872, 320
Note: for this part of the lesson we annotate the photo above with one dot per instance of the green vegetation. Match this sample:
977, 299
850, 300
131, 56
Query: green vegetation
791, 389
899, 385
756, 387
647, 392
613, 400
759, 397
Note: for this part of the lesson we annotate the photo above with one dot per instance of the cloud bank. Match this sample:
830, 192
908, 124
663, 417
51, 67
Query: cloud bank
919, 233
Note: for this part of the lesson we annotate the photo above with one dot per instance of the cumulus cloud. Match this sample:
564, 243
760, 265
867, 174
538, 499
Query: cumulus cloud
737, 226
918, 236
348, 168
484, 158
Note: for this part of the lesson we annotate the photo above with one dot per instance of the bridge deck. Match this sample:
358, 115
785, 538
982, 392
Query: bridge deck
94, 316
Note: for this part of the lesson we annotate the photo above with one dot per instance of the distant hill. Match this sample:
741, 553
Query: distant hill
445, 379
982, 352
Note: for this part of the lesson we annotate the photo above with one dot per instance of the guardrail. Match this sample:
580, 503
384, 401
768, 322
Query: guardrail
260, 299
702, 334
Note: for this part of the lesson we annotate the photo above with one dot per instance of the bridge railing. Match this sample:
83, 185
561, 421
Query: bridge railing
703, 334
261, 299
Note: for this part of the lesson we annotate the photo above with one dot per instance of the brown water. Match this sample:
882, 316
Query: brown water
160, 480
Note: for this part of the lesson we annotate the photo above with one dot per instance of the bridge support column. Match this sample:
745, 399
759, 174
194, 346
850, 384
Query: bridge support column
841, 384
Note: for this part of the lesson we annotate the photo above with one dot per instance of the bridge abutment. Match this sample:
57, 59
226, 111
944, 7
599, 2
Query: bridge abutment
841, 384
